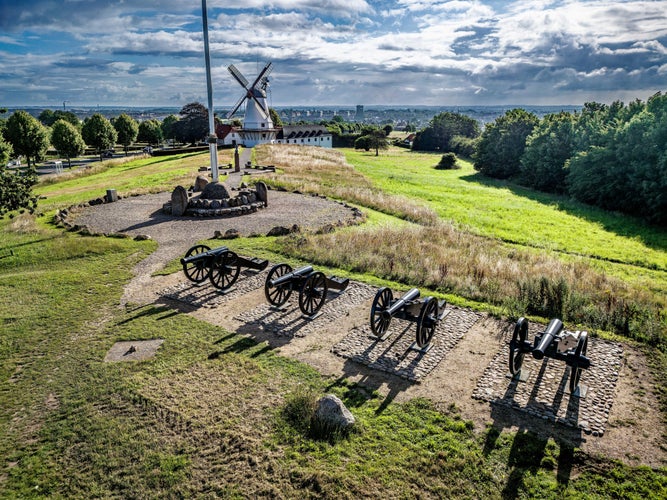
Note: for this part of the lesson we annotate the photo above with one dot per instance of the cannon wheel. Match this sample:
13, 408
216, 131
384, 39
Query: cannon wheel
518, 338
224, 270
575, 374
313, 293
278, 296
196, 271
427, 321
382, 301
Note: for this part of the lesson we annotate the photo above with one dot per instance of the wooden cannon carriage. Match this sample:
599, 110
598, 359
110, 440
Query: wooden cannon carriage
220, 265
427, 313
554, 343
312, 285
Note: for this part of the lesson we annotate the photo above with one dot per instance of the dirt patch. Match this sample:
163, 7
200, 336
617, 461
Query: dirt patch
634, 426
133, 350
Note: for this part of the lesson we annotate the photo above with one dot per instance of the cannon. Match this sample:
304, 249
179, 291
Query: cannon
555, 343
425, 312
220, 265
313, 286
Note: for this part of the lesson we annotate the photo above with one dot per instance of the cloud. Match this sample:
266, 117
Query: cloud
402, 51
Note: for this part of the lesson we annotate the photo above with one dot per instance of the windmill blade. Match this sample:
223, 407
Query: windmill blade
264, 73
238, 76
265, 112
237, 106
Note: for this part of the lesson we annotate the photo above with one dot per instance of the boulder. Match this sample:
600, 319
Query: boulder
179, 201
278, 231
200, 183
331, 417
262, 193
230, 234
215, 191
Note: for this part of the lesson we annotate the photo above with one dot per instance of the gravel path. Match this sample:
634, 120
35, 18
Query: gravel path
142, 215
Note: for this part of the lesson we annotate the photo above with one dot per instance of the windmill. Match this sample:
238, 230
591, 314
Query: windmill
257, 116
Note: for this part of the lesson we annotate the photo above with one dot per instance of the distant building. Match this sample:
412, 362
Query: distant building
228, 135
359, 115
304, 135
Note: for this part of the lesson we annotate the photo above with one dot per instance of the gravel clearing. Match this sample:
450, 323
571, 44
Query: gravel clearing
142, 215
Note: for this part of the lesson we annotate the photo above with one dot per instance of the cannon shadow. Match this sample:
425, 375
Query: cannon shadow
530, 451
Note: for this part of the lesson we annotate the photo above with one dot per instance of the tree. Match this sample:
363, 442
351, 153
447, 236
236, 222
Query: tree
127, 129
442, 128
500, 147
16, 190
275, 118
49, 117
28, 137
67, 140
550, 145
150, 131
168, 127
6, 151
388, 129
193, 124
362, 142
372, 139
98, 133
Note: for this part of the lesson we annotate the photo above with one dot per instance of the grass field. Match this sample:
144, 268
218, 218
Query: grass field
491, 244
217, 414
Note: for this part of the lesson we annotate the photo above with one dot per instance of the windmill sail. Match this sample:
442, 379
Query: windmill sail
255, 92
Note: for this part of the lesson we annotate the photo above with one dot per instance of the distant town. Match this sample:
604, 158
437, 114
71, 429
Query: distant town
397, 116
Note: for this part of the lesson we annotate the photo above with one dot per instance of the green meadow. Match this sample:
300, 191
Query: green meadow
216, 414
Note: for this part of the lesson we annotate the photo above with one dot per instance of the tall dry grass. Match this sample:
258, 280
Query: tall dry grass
520, 282
326, 172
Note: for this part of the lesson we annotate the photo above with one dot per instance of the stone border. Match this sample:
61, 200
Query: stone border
545, 393
394, 355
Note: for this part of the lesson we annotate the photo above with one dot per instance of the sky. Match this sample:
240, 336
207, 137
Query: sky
147, 53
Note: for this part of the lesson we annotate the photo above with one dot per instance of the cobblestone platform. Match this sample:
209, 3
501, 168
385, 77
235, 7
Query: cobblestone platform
289, 322
394, 355
546, 394
206, 295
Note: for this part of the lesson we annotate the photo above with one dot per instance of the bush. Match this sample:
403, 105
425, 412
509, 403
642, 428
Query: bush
464, 146
448, 162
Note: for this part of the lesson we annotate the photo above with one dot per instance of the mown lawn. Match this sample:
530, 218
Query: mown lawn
215, 414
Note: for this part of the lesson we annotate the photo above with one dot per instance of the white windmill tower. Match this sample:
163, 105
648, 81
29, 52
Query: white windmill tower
257, 125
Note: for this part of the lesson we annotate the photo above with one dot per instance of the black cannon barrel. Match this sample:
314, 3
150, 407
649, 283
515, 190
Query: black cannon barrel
204, 255
553, 329
285, 278
411, 294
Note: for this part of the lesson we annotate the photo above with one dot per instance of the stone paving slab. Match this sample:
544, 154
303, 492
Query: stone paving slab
289, 322
206, 295
545, 393
394, 354
133, 350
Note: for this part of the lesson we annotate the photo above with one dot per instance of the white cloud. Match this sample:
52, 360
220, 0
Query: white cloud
439, 52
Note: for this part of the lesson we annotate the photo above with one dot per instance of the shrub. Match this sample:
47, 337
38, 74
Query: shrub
448, 162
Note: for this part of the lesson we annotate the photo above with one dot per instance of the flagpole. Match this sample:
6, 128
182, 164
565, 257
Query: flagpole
212, 138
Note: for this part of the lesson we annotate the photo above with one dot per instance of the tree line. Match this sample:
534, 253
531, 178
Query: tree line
611, 156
